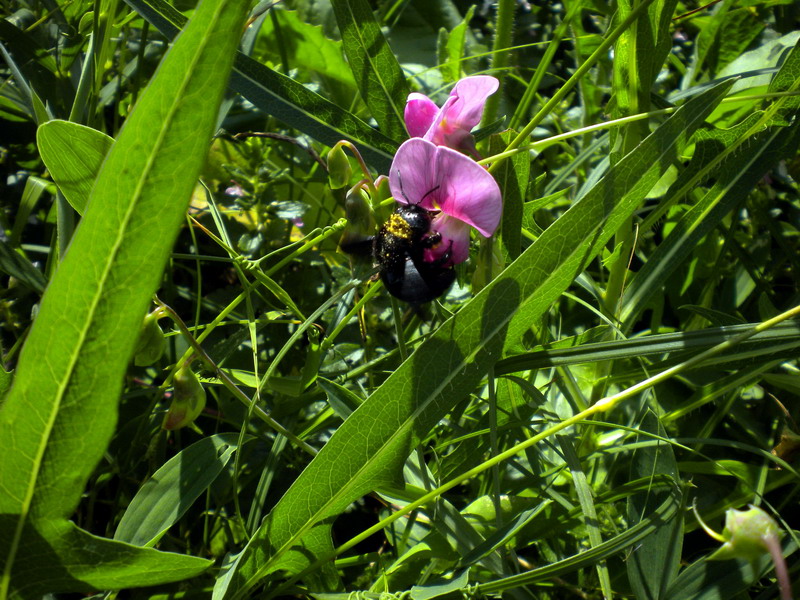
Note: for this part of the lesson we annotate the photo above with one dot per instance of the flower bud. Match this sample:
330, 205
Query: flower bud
360, 222
747, 534
151, 343
188, 400
339, 170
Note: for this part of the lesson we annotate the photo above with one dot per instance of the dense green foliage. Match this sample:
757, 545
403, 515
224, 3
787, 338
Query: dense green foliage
623, 350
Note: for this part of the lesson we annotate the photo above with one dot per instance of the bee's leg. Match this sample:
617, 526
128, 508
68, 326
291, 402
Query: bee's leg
444, 258
359, 247
431, 240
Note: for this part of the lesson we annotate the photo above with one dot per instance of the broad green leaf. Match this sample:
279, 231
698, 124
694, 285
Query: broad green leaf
284, 98
73, 154
169, 493
655, 563
61, 411
60, 556
377, 73
368, 451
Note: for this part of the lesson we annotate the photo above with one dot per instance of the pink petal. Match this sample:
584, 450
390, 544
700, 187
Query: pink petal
439, 178
471, 94
467, 191
419, 114
441, 129
413, 173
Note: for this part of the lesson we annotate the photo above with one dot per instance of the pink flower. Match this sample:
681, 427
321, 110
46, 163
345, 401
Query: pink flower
451, 125
446, 182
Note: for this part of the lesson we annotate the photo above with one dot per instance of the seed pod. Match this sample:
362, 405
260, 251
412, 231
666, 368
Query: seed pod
151, 343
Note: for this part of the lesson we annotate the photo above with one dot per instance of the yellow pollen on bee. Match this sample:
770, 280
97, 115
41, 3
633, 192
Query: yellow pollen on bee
397, 226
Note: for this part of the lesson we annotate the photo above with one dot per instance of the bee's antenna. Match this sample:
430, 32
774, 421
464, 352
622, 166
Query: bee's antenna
428, 193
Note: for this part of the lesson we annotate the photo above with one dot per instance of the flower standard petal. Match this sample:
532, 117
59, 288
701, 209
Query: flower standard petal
467, 191
413, 173
471, 94
419, 114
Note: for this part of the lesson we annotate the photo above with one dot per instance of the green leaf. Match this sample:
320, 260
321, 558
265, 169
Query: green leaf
678, 345
439, 588
73, 155
724, 38
512, 176
163, 499
639, 54
34, 68
368, 451
342, 401
584, 492
785, 81
310, 48
587, 558
654, 564
60, 556
62, 408
737, 174
284, 98
593, 219
377, 73
452, 47
16, 265
6, 379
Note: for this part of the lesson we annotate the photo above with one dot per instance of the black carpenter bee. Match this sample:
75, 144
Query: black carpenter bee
398, 250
